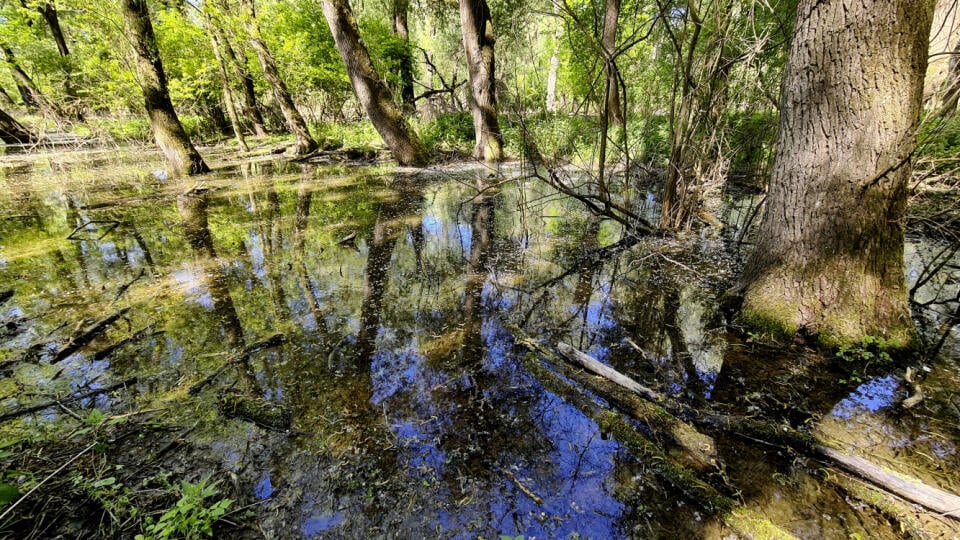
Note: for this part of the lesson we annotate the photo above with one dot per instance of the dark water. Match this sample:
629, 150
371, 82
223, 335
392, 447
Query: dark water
412, 412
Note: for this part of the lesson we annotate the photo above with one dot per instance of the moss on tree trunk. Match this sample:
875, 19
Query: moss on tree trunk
829, 262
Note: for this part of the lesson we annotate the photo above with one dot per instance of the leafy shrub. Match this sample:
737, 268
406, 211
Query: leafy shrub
190, 517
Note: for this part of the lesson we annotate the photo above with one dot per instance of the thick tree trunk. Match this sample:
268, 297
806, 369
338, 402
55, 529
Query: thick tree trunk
295, 122
372, 93
401, 8
167, 130
12, 132
478, 41
829, 261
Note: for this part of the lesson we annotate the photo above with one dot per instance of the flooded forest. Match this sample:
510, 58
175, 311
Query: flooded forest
489, 269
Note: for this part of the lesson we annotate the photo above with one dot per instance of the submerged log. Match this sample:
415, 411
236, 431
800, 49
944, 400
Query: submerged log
905, 486
691, 447
256, 409
89, 334
744, 520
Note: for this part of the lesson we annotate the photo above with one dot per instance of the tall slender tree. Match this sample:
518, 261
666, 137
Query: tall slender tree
168, 132
829, 261
478, 41
401, 11
295, 122
371, 91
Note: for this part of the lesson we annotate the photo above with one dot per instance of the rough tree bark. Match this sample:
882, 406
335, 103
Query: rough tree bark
401, 8
167, 130
295, 123
29, 92
372, 93
478, 41
829, 261
12, 132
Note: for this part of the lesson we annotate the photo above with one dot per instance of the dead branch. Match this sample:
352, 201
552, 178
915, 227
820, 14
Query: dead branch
89, 334
59, 402
273, 341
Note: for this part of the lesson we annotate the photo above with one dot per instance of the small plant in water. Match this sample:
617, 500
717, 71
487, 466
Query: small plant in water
870, 349
191, 517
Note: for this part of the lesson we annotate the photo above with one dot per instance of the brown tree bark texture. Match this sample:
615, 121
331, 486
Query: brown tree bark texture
478, 42
401, 29
372, 93
829, 260
12, 132
168, 132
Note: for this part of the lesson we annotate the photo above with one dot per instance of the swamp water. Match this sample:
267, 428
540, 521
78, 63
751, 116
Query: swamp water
410, 413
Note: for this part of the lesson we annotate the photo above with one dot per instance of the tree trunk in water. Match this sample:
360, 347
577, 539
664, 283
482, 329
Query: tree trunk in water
372, 93
295, 122
250, 107
400, 29
478, 41
829, 262
227, 93
167, 130
12, 132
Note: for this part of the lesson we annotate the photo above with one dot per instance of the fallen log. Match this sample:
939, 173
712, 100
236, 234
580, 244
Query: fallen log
907, 487
143, 333
689, 446
87, 335
272, 341
736, 516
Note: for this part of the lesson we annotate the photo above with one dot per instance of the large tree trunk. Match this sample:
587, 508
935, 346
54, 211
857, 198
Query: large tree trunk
829, 261
12, 132
295, 122
372, 93
400, 28
478, 41
167, 130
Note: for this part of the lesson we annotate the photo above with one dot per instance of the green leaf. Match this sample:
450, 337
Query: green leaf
8, 493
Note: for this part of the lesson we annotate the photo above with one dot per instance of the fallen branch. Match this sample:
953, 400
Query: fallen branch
526, 491
273, 341
733, 514
59, 402
137, 336
911, 489
45, 480
88, 335
694, 449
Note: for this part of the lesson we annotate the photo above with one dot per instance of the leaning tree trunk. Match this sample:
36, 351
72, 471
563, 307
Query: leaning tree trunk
295, 122
829, 261
478, 41
372, 93
250, 105
12, 132
31, 94
167, 130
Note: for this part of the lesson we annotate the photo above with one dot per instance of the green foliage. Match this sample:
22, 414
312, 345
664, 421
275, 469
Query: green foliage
870, 349
448, 131
192, 516
560, 136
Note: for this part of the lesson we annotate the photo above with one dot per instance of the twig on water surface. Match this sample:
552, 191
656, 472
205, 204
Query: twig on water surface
45, 480
526, 491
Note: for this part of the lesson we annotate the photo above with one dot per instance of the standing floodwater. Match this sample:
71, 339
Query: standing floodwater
336, 346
